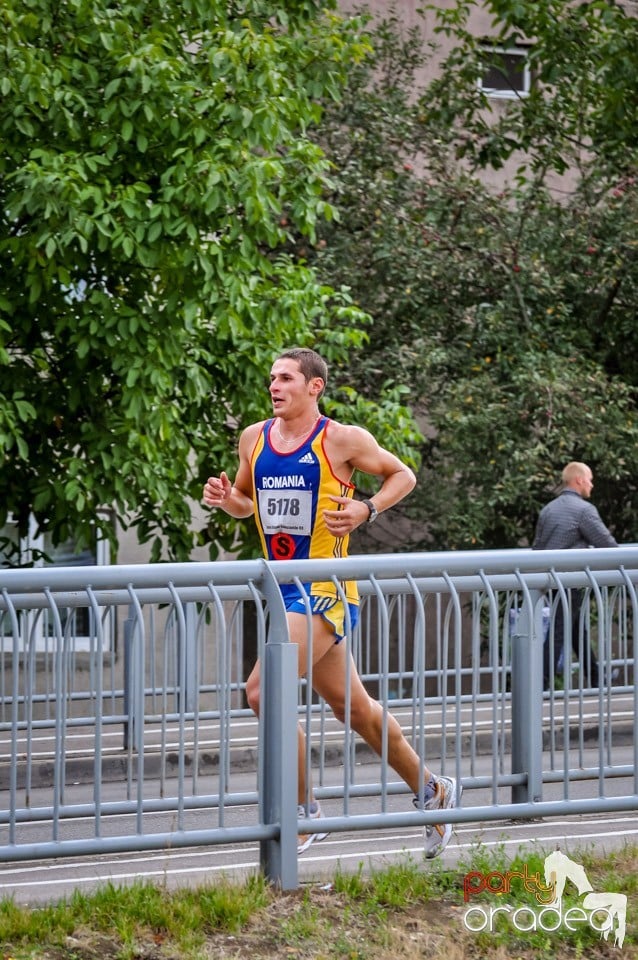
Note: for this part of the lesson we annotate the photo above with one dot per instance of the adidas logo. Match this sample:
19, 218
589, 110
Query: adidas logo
307, 458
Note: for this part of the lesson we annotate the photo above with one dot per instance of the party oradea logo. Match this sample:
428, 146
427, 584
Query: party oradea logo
606, 913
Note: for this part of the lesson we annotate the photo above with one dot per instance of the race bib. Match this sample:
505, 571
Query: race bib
288, 511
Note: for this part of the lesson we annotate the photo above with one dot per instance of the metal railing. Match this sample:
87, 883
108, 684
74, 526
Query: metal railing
122, 700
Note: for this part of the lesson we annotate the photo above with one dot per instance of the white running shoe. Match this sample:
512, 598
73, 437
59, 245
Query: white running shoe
437, 835
305, 839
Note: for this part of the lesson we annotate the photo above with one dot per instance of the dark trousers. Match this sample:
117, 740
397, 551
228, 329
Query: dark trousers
586, 656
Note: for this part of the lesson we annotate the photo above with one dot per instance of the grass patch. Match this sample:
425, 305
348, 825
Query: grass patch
408, 910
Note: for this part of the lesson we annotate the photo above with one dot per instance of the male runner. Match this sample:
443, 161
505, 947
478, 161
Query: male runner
294, 476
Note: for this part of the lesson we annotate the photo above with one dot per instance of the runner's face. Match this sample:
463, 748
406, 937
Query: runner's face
289, 392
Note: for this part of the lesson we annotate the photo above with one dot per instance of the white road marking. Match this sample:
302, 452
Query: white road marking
379, 846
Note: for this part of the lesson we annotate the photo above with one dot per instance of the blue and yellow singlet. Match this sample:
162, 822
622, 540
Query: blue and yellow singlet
290, 492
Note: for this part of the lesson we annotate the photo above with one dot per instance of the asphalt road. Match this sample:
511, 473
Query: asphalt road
36, 882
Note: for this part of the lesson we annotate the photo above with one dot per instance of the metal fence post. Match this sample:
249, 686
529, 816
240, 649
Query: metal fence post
187, 659
134, 682
527, 699
129, 732
278, 730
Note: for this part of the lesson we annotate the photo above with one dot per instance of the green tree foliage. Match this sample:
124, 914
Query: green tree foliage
147, 151
509, 313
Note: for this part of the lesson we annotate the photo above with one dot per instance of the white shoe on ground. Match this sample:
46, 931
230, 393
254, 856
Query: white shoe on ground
305, 839
437, 835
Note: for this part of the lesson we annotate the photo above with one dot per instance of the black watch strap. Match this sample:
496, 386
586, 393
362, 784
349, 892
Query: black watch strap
374, 513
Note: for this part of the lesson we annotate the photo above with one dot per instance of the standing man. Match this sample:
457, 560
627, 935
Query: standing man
570, 522
308, 461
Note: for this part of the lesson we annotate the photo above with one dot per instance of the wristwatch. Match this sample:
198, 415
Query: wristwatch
374, 513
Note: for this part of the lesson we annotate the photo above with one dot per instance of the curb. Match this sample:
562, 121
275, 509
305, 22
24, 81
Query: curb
124, 766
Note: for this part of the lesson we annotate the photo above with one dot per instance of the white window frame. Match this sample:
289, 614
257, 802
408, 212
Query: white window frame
33, 623
508, 94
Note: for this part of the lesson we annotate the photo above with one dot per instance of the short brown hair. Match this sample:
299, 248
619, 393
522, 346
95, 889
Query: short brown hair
310, 364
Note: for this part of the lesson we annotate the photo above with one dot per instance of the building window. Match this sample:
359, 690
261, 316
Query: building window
32, 549
37, 629
505, 73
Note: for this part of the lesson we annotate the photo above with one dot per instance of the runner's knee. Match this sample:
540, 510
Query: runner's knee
360, 713
252, 694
